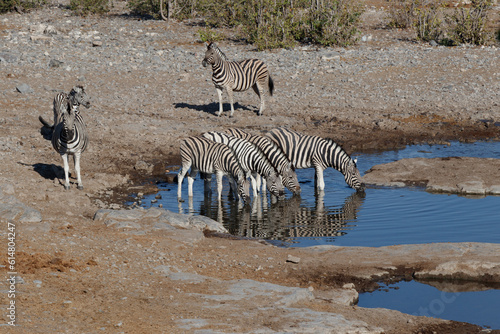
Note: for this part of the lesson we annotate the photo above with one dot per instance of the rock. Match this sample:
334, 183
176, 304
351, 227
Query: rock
54, 63
293, 259
450, 175
24, 88
7, 57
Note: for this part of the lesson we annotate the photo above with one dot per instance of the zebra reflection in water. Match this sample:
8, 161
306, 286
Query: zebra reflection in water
285, 219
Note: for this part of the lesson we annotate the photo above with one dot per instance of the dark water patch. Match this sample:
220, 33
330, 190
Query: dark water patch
462, 301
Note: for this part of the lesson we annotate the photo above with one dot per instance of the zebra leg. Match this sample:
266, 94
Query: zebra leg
180, 177
76, 159
320, 182
258, 179
219, 185
231, 100
191, 177
253, 182
259, 90
66, 170
219, 93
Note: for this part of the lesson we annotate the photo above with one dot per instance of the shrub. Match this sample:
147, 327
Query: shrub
268, 23
85, 7
10, 5
468, 25
145, 8
428, 23
335, 23
210, 35
401, 13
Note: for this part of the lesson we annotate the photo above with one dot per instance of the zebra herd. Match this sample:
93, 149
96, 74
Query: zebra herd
275, 156
268, 160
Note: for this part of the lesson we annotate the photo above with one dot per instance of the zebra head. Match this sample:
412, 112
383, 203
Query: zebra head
68, 120
212, 54
290, 180
352, 176
78, 97
243, 188
275, 185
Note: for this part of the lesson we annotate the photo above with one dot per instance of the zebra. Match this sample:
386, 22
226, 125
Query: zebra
69, 135
275, 155
206, 156
252, 160
77, 96
312, 151
237, 76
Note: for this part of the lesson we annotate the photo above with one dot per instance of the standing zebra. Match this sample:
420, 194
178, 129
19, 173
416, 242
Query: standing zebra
237, 76
252, 160
69, 136
206, 156
275, 155
312, 151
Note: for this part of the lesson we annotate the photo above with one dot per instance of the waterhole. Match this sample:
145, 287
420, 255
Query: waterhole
463, 301
340, 216
380, 217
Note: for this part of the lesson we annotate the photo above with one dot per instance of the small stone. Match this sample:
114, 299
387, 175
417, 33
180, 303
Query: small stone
96, 43
293, 259
24, 88
53, 63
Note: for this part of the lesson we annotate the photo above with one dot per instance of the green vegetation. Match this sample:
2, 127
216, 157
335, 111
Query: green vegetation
431, 22
468, 24
10, 5
270, 23
85, 7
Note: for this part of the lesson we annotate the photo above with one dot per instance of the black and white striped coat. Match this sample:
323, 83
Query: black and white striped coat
252, 160
70, 138
237, 76
275, 156
311, 151
209, 157
76, 97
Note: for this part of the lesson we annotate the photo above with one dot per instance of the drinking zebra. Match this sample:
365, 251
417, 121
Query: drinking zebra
252, 160
237, 76
209, 157
311, 151
69, 136
275, 155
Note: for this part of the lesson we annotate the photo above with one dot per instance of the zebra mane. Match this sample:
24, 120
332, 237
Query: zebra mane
335, 145
214, 47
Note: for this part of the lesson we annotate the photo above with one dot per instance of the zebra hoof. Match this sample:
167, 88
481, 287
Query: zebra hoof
67, 187
79, 187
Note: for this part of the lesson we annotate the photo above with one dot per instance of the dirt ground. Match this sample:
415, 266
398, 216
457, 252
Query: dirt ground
82, 276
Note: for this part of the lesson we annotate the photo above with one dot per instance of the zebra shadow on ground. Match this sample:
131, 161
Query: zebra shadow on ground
213, 108
47, 171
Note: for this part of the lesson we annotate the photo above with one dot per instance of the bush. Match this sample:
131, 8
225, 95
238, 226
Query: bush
428, 23
401, 13
270, 23
10, 5
85, 7
210, 35
468, 25
335, 23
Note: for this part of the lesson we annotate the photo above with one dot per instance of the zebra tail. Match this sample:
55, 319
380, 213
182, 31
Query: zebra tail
271, 86
45, 123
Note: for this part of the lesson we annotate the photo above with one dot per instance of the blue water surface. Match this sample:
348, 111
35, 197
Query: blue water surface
340, 216
415, 298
